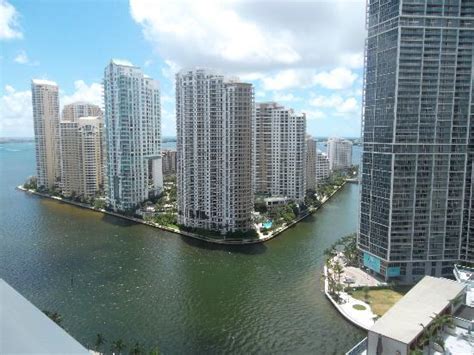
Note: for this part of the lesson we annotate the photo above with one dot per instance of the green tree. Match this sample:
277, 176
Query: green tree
137, 349
118, 345
99, 341
55, 317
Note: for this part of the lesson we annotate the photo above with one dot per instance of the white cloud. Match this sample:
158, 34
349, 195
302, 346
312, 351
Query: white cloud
22, 58
353, 60
91, 93
16, 113
336, 79
16, 116
280, 97
314, 114
245, 36
9, 26
338, 103
170, 70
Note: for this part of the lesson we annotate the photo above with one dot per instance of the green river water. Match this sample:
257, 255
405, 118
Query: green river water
124, 280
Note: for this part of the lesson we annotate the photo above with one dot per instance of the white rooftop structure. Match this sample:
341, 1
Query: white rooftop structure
25, 329
122, 62
43, 82
428, 297
397, 329
465, 275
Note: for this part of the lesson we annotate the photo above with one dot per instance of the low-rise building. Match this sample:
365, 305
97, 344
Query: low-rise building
432, 317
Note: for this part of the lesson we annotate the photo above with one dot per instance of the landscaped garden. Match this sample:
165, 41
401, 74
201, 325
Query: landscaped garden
380, 299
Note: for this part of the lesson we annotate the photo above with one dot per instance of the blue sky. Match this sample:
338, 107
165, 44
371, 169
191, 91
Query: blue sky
306, 54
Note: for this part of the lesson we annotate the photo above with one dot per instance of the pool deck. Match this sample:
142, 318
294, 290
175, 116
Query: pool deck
262, 238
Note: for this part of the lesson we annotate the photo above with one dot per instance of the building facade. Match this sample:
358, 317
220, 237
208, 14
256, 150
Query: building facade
321, 167
339, 153
82, 156
133, 136
416, 182
73, 111
280, 151
169, 162
45, 103
214, 149
310, 163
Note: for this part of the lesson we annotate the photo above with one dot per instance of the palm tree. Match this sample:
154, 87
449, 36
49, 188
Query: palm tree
338, 269
118, 346
99, 341
137, 349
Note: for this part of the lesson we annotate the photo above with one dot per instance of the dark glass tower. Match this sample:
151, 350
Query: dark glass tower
417, 174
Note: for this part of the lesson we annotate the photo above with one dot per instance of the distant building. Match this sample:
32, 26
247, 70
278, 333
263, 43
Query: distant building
321, 167
169, 162
82, 156
339, 153
133, 136
214, 151
45, 102
310, 163
73, 111
280, 157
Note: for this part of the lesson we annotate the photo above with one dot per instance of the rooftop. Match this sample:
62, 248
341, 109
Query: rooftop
27, 330
430, 296
44, 82
122, 62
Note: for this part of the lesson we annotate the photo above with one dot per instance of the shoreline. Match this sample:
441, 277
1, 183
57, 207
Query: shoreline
338, 307
181, 232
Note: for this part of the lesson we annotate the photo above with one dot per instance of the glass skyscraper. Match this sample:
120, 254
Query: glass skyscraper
417, 172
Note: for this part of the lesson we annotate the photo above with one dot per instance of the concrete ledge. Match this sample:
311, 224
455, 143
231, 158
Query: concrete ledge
340, 308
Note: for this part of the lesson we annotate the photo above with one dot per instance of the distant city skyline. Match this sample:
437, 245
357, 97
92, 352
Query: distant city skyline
322, 77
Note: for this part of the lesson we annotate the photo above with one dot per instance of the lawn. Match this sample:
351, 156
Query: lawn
381, 300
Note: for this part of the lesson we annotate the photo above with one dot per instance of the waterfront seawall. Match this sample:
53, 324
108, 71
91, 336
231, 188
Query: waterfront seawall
182, 232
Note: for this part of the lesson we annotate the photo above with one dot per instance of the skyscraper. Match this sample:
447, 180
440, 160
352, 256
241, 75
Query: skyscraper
78, 109
215, 126
416, 183
280, 157
339, 153
133, 135
82, 156
310, 163
45, 102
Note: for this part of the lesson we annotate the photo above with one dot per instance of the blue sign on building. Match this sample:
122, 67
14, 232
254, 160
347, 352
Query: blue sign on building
393, 271
372, 262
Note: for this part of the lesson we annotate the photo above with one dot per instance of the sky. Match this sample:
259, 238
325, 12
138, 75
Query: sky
304, 54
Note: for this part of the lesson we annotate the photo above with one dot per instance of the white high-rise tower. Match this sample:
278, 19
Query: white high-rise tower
280, 156
133, 136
